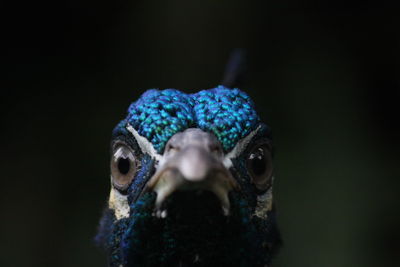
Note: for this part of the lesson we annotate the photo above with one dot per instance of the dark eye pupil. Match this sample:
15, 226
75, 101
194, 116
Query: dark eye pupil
258, 165
123, 165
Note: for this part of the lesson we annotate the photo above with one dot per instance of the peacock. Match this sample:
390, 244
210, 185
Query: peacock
191, 183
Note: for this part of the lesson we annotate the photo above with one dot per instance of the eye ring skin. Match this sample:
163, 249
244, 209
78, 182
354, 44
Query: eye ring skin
123, 165
259, 165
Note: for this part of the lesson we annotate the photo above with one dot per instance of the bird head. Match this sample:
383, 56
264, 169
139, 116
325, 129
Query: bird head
191, 183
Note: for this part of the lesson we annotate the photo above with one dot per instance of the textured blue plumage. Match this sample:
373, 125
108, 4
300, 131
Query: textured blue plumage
228, 113
141, 239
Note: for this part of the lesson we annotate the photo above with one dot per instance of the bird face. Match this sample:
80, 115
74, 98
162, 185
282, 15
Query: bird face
191, 183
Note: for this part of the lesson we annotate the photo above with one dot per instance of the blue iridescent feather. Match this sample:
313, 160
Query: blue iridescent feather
158, 115
141, 239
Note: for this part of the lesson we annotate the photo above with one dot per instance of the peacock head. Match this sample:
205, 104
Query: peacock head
191, 183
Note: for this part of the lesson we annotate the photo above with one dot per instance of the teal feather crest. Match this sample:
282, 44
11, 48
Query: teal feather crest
159, 114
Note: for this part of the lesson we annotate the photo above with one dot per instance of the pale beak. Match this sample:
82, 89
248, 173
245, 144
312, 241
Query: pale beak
193, 161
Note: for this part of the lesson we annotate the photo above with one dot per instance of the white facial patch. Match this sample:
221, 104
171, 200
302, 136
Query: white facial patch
264, 201
239, 148
144, 144
264, 204
118, 203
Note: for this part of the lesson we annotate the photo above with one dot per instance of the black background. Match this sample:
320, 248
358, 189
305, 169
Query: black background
324, 75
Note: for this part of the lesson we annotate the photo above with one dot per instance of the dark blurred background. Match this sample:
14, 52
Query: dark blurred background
324, 75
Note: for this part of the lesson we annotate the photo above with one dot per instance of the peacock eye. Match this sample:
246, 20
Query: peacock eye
123, 166
259, 166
